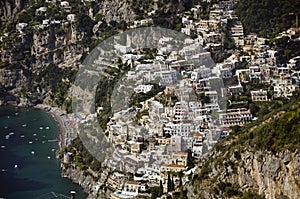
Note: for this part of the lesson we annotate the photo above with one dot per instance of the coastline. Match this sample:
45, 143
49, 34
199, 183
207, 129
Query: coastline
56, 115
66, 125
58, 126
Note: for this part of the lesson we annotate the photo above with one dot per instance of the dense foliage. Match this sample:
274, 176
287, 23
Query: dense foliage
267, 17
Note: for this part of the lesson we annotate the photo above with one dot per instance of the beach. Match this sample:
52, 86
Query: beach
29, 148
57, 116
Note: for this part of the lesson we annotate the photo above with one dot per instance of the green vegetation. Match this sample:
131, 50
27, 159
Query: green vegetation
137, 98
267, 17
104, 91
288, 48
81, 156
167, 99
276, 130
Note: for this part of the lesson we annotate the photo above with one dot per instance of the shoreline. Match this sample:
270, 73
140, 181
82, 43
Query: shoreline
54, 112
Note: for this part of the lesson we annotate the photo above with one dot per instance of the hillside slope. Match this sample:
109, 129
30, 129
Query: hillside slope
268, 17
260, 161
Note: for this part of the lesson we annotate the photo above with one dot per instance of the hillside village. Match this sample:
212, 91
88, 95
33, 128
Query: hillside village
191, 103
159, 140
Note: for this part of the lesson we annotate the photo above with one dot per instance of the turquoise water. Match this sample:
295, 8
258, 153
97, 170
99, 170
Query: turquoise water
28, 167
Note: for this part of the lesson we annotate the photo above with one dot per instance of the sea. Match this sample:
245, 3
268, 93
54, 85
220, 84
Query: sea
29, 168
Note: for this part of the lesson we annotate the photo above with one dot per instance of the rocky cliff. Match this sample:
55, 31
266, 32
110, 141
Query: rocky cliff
269, 175
85, 181
88, 182
9, 9
260, 160
40, 39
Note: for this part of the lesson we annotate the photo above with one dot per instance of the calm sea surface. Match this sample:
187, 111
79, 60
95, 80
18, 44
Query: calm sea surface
28, 167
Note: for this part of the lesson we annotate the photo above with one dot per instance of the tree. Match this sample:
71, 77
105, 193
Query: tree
169, 186
161, 188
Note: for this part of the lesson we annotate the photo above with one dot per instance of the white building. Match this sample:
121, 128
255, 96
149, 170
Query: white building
259, 96
132, 188
234, 117
142, 88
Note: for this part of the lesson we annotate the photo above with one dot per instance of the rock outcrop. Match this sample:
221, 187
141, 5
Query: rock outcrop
9, 8
270, 175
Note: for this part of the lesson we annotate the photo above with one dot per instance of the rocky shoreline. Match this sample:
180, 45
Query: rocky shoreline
76, 175
85, 181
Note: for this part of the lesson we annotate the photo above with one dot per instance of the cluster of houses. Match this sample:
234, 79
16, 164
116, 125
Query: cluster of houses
171, 133
47, 20
163, 135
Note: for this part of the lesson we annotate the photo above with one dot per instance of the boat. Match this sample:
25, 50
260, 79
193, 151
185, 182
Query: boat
16, 166
47, 127
2, 147
41, 127
22, 136
32, 152
24, 125
16, 113
53, 140
34, 134
30, 142
7, 137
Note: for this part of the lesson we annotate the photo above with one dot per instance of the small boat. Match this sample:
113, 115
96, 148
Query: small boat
8, 117
11, 133
2, 147
52, 149
16, 113
34, 134
47, 127
5, 127
53, 140
41, 128
22, 136
32, 152
7, 137
43, 142
3, 170
30, 142
24, 125
49, 157
16, 166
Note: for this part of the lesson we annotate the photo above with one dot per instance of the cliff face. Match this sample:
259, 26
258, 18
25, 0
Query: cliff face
9, 9
260, 160
86, 181
271, 176
115, 10
38, 40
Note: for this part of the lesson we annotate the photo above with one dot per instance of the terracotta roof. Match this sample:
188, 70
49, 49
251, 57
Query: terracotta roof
198, 135
173, 165
132, 182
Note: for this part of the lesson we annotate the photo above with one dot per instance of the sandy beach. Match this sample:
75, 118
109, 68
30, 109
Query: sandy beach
56, 114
